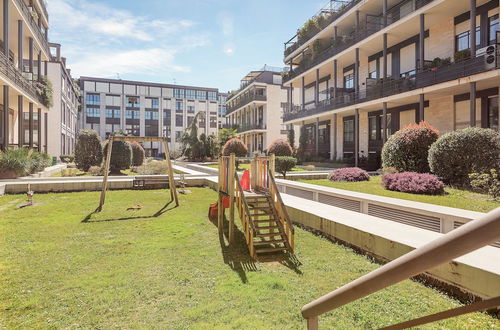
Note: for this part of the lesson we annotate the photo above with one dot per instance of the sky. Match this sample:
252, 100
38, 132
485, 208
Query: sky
209, 43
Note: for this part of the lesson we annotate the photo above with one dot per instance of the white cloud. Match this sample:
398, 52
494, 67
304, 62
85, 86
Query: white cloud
225, 20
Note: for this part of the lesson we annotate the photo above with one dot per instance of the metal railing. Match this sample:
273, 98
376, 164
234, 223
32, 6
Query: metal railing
467, 238
43, 4
244, 100
249, 127
392, 86
28, 16
347, 40
10, 71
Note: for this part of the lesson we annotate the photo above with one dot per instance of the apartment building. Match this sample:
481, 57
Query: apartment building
63, 115
256, 108
147, 109
24, 54
366, 68
222, 108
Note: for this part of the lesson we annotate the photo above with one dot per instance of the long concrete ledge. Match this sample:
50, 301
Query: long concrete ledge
477, 272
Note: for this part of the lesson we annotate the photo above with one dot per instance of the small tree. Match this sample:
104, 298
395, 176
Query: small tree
280, 147
192, 148
235, 146
291, 137
285, 164
121, 156
225, 135
88, 150
138, 153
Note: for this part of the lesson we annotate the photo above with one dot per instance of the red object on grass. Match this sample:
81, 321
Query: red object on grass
214, 207
245, 180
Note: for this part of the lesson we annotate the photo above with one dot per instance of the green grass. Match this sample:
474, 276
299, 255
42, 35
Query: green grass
462, 199
129, 269
247, 167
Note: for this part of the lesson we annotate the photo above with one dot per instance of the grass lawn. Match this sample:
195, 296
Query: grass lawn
130, 269
462, 199
247, 167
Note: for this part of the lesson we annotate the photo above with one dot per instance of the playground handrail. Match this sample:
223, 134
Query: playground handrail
244, 212
465, 239
281, 208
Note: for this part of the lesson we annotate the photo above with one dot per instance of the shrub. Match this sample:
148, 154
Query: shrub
67, 158
37, 161
22, 162
470, 150
96, 171
310, 168
291, 137
349, 174
88, 150
488, 183
407, 150
65, 172
235, 146
414, 183
138, 153
284, 164
121, 156
280, 147
153, 167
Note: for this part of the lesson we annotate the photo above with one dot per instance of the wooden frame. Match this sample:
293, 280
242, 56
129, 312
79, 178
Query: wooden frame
170, 172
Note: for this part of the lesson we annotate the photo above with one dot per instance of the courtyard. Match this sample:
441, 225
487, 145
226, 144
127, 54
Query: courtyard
156, 265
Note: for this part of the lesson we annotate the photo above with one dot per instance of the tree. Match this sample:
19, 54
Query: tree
226, 134
138, 153
121, 156
284, 164
280, 147
235, 146
88, 150
210, 145
291, 137
191, 146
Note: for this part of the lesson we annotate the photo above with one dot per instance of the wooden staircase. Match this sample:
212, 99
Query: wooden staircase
269, 235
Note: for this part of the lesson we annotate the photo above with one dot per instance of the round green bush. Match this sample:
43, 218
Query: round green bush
235, 146
121, 156
88, 150
280, 147
470, 150
407, 149
284, 164
138, 153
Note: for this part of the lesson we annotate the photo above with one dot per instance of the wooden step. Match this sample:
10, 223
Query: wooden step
272, 249
274, 241
266, 227
264, 220
268, 234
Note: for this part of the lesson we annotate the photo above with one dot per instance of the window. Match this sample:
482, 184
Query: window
167, 117
462, 41
190, 108
132, 101
151, 115
151, 130
493, 28
212, 96
155, 103
179, 106
213, 122
201, 95
132, 130
493, 113
132, 114
93, 99
178, 120
349, 81
373, 74
93, 112
372, 128
349, 130
190, 94
112, 113
178, 93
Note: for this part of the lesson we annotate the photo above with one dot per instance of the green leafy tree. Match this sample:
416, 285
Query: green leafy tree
88, 150
138, 153
285, 164
121, 156
192, 148
291, 137
226, 134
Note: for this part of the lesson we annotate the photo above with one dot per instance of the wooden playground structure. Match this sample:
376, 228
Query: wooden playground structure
264, 219
170, 171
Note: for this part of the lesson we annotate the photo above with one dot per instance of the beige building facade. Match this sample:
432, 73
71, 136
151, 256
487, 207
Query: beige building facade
375, 66
256, 108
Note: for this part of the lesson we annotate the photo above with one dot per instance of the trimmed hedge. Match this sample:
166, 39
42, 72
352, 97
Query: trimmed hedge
284, 164
88, 150
414, 183
121, 156
235, 146
280, 147
407, 149
349, 174
138, 153
470, 150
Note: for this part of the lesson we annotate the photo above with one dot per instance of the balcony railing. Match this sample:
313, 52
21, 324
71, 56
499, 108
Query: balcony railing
244, 101
10, 71
250, 127
373, 24
390, 86
43, 4
258, 78
28, 17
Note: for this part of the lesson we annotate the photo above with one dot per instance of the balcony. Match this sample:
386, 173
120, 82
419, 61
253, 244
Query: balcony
379, 88
244, 101
251, 127
8, 69
325, 49
28, 17
256, 76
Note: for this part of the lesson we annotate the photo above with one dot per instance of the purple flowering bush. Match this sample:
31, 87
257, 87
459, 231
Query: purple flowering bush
349, 174
414, 183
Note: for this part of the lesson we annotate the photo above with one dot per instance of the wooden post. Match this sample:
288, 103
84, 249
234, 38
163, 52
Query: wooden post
106, 172
272, 159
170, 172
232, 177
220, 213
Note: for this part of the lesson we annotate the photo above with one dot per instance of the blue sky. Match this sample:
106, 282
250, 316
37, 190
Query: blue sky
211, 43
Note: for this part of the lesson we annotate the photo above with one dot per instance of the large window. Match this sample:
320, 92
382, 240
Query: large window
132, 101
151, 130
201, 95
190, 94
349, 130
151, 115
493, 113
132, 130
190, 108
132, 114
212, 96
462, 41
93, 99
178, 120
349, 81
93, 112
179, 106
373, 128
167, 117
493, 28
112, 113
178, 93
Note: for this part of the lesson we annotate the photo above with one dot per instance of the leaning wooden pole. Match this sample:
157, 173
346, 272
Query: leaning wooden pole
106, 173
232, 177
170, 172
220, 212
